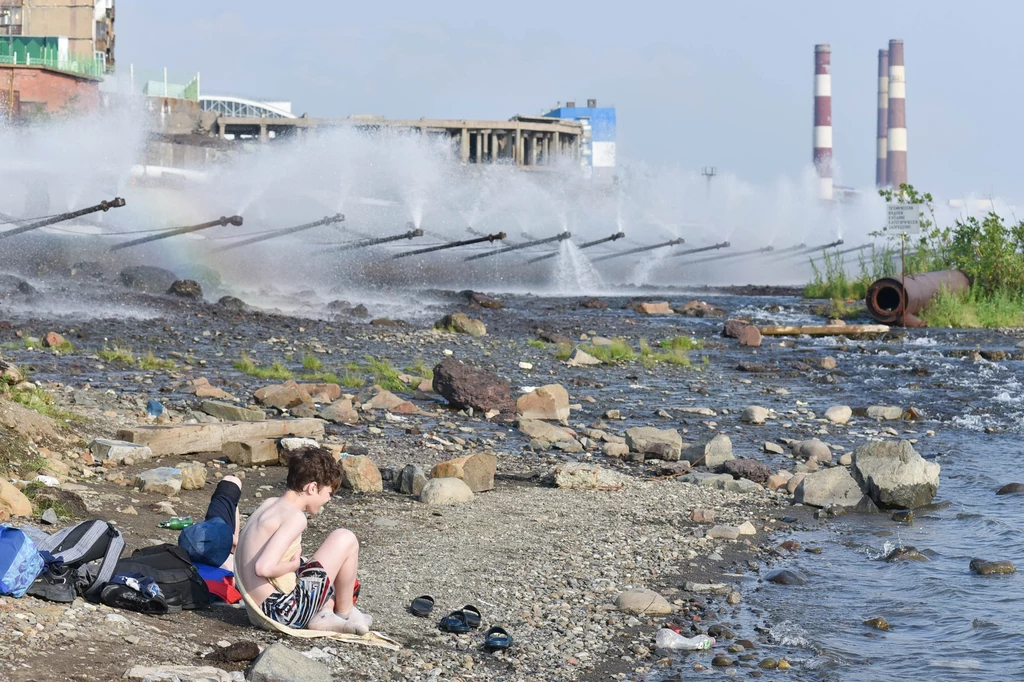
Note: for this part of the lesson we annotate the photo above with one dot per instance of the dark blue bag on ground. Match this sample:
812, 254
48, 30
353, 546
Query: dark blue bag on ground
20, 562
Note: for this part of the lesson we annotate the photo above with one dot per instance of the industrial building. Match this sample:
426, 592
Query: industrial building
597, 149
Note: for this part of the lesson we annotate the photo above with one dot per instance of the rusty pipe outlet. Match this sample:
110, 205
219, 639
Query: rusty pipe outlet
887, 298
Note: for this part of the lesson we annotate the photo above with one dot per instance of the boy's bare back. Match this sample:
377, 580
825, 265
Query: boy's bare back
266, 536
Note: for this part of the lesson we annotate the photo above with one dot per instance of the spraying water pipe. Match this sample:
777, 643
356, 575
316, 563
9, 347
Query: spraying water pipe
373, 241
617, 235
687, 252
738, 254
235, 220
116, 202
557, 238
641, 249
491, 238
327, 220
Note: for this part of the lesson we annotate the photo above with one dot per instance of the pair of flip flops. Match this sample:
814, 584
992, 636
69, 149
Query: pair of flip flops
462, 621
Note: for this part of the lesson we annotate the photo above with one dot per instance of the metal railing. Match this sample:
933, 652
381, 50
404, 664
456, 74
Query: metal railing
84, 67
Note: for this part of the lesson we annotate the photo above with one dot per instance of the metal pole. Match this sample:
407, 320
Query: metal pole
336, 218
116, 202
903, 280
687, 252
617, 235
235, 220
557, 238
641, 249
374, 241
451, 245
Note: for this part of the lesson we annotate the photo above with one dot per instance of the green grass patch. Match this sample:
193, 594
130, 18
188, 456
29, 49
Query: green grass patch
40, 401
681, 343
117, 354
150, 362
563, 351
617, 351
64, 347
311, 363
974, 310
650, 357
276, 371
384, 374
536, 343
418, 369
350, 379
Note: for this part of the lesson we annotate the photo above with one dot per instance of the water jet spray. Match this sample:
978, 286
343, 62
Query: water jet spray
641, 249
327, 220
116, 202
235, 220
738, 254
617, 235
557, 238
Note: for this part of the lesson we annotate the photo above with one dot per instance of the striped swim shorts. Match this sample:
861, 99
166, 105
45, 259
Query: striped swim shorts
312, 590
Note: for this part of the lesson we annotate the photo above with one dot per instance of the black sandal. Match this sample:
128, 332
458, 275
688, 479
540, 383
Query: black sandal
473, 617
455, 622
496, 639
421, 606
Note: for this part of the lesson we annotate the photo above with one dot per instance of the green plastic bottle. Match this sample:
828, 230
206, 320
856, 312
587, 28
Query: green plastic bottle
177, 523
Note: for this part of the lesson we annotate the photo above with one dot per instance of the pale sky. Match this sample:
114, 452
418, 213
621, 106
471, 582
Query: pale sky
724, 83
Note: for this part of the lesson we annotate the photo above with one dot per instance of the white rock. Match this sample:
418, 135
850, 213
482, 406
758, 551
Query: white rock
106, 450
642, 601
838, 414
445, 491
754, 414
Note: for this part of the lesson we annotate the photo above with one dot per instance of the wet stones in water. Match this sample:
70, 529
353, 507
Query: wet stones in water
877, 623
768, 664
232, 303
593, 304
720, 632
721, 661
982, 567
14, 286
477, 300
905, 554
903, 516
1011, 489
785, 577
186, 288
746, 468
147, 278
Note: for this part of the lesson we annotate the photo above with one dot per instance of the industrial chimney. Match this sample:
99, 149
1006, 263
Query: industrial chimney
823, 119
883, 118
896, 152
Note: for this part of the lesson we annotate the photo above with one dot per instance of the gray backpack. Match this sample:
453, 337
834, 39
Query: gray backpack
83, 559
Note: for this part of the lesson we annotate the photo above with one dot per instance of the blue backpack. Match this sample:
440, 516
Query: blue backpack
20, 562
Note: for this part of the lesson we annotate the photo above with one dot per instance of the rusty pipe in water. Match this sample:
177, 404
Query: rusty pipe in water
235, 220
327, 220
887, 298
557, 238
373, 241
641, 249
490, 238
116, 202
587, 245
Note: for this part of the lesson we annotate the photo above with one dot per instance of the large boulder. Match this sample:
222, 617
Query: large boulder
249, 453
749, 336
477, 471
893, 474
460, 323
411, 479
747, 468
653, 308
835, 486
700, 309
193, 475
655, 443
535, 428
640, 601
359, 473
340, 412
162, 480
884, 412
231, 413
445, 491
13, 502
838, 414
812, 450
117, 451
186, 288
147, 278
279, 663
754, 414
712, 451
463, 385
284, 396
550, 403
733, 327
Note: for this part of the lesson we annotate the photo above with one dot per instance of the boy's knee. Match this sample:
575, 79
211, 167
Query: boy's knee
234, 479
345, 536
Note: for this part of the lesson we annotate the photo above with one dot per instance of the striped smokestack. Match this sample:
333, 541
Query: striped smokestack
823, 119
896, 152
883, 118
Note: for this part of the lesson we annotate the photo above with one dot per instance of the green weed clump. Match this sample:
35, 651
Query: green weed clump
117, 354
151, 363
536, 343
311, 363
276, 371
384, 374
40, 401
617, 351
650, 357
682, 343
418, 369
563, 351
974, 310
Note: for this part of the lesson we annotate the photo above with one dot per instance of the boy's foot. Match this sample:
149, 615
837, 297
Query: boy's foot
354, 623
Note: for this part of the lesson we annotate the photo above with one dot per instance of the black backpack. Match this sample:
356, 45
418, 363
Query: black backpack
85, 555
177, 577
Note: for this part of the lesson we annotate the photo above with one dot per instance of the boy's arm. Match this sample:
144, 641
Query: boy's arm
271, 563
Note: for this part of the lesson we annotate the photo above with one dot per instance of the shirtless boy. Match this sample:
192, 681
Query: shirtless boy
322, 598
